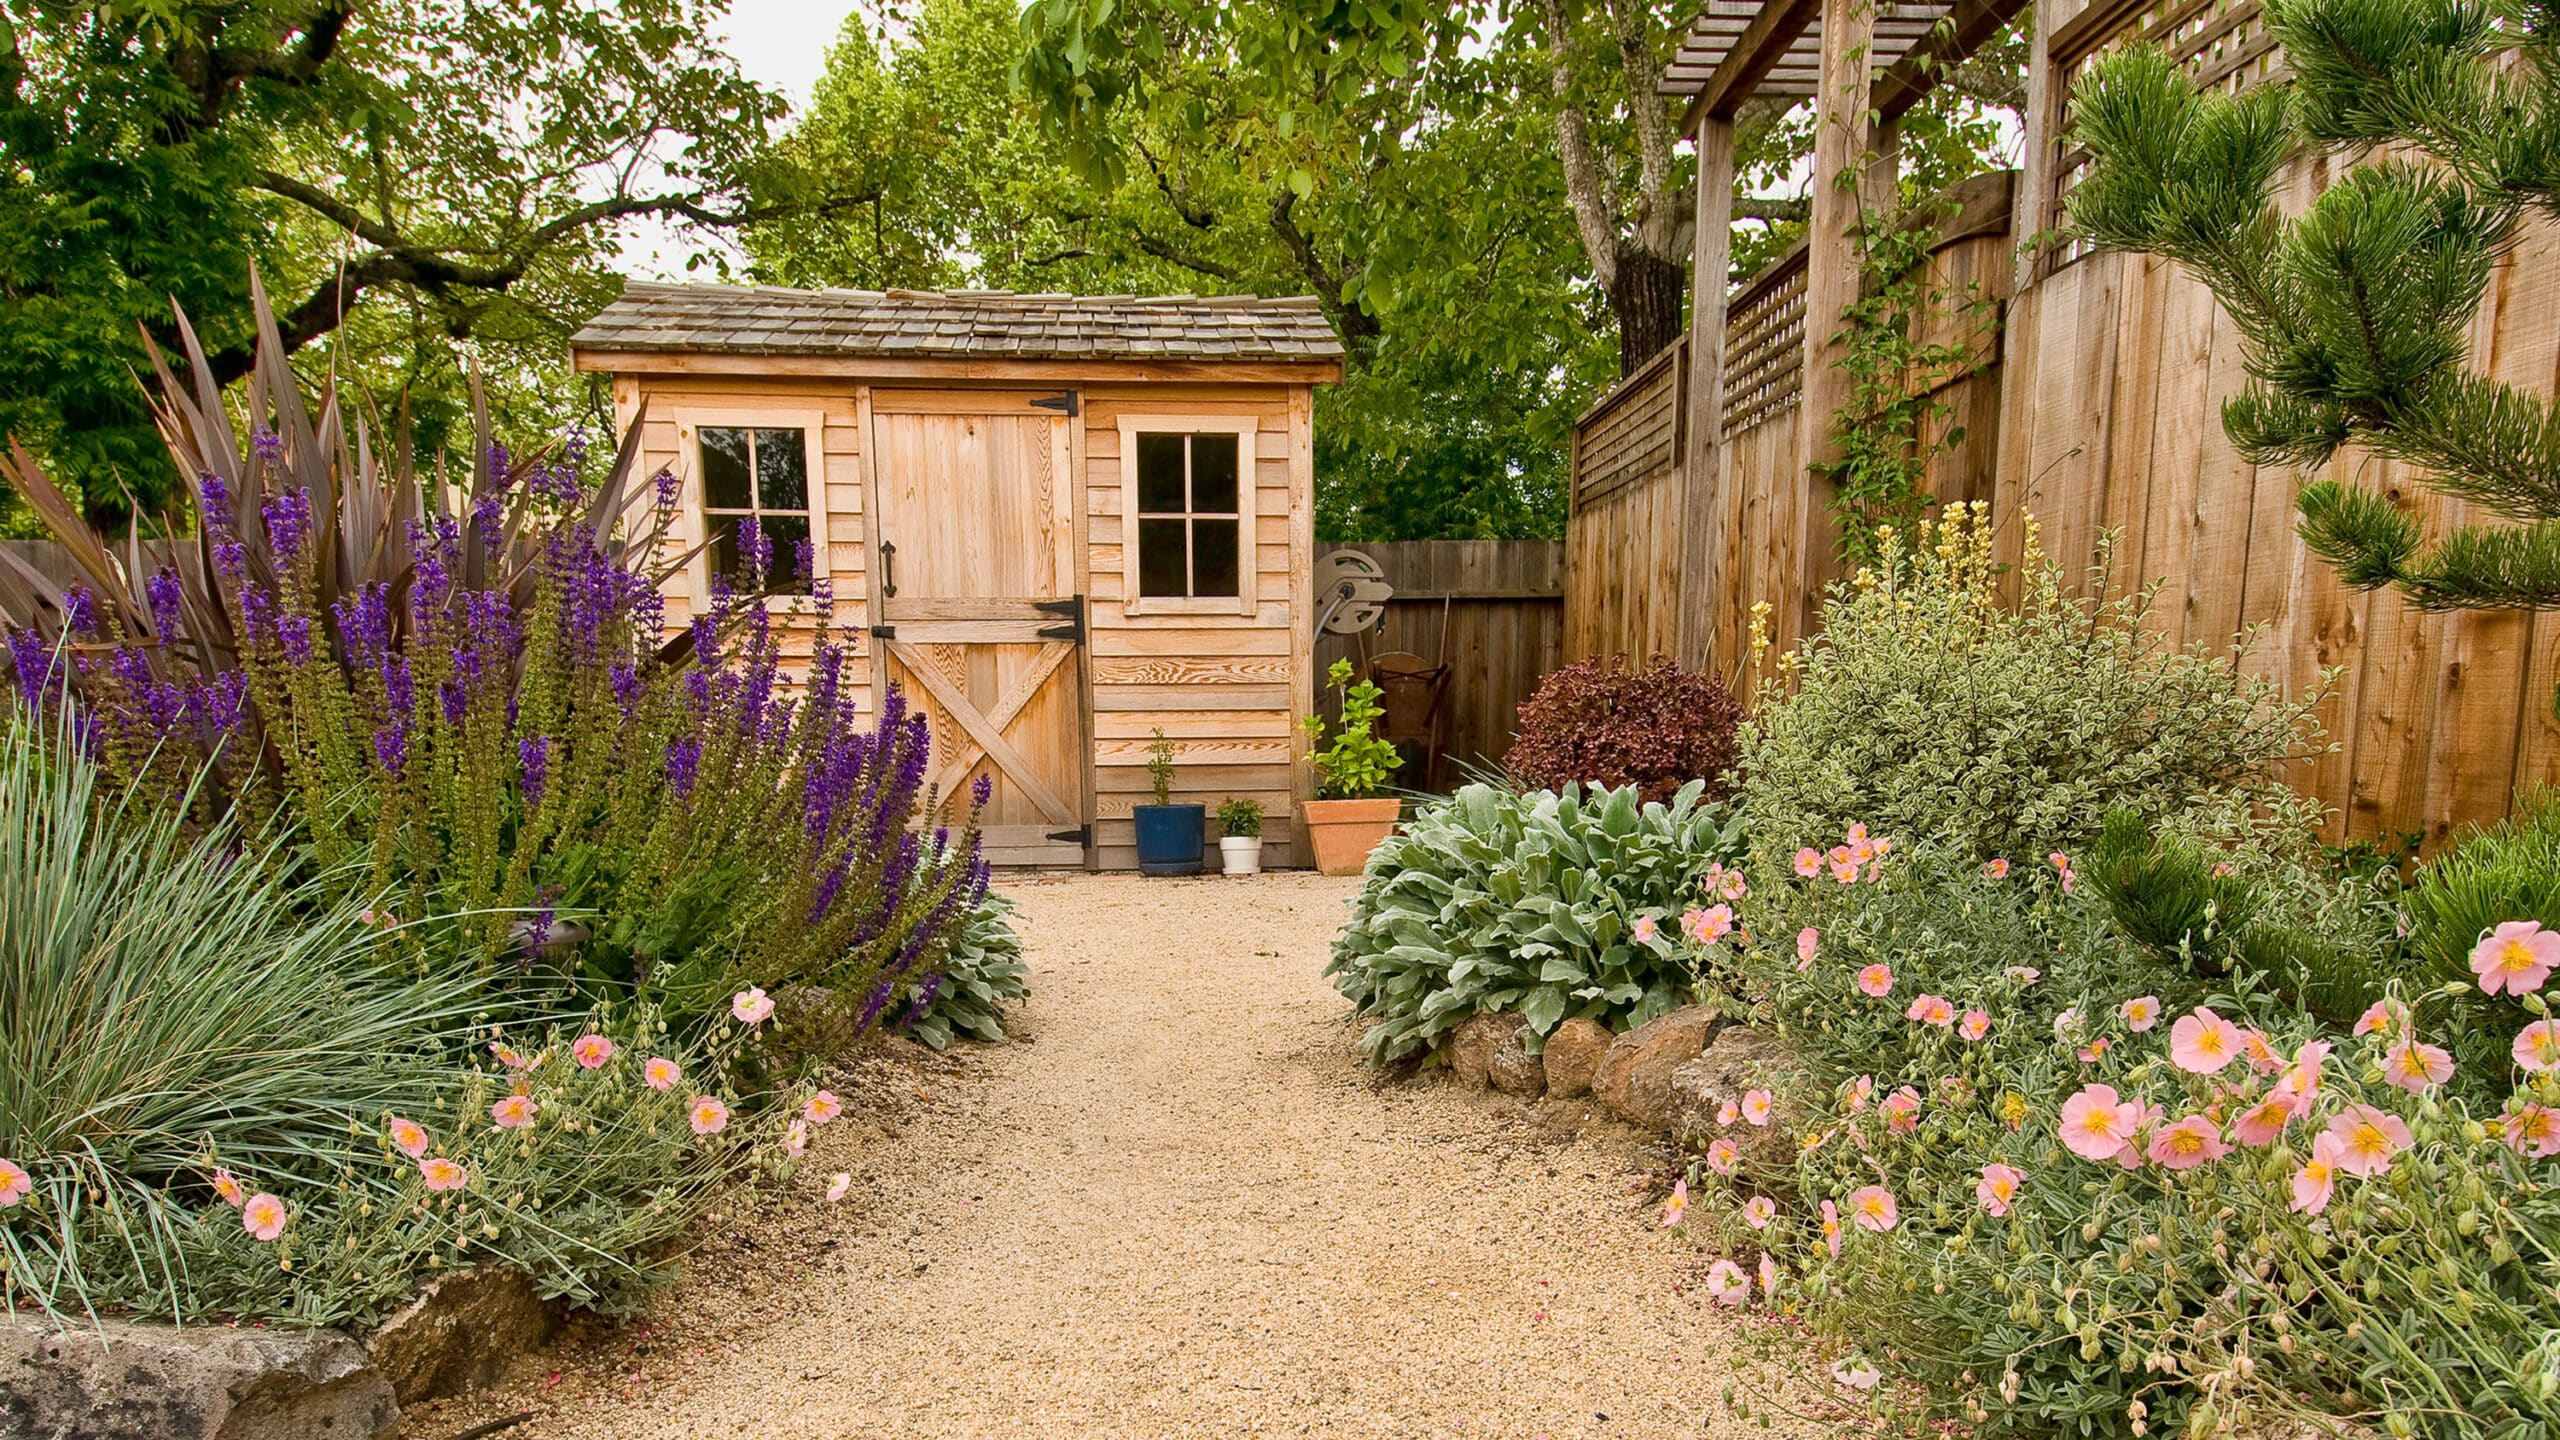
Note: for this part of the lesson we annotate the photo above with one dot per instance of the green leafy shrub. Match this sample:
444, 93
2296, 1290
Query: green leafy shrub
1554, 904
1240, 818
2496, 873
1929, 706
189, 1042
1604, 722
1356, 765
981, 971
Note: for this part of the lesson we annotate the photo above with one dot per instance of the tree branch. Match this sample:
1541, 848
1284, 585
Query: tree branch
1657, 218
1354, 319
1587, 185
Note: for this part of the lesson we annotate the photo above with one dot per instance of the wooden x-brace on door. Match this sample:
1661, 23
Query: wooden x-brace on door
981, 623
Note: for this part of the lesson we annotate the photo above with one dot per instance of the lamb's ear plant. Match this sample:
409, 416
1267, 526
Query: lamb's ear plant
1160, 767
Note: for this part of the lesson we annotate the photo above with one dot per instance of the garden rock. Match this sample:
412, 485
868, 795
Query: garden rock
1513, 1070
1472, 1048
460, 1334
120, 1381
1737, 1060
1634, 1078
1573, 1056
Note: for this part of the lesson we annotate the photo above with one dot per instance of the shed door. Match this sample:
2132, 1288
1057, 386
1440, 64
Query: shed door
976, 533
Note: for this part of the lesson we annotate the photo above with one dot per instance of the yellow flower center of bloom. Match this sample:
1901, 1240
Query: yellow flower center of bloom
2002, 1188
2316, 1170
2534, 1124
2411, 1065
2369, 1139
2099, 1122
2186, 1142
2211, 1042
2515, 957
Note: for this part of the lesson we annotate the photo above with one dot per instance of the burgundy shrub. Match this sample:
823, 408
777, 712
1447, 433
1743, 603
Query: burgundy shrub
1605, 721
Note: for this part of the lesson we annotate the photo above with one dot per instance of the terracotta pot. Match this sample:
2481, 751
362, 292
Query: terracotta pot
1343, 832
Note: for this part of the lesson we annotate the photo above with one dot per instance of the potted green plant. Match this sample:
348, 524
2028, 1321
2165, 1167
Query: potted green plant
1240, 847
1170, 836
1348, 818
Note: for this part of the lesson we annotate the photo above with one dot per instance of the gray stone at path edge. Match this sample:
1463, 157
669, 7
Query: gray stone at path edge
120, 1381
1573, 1056
1634, 1079
1738, 1061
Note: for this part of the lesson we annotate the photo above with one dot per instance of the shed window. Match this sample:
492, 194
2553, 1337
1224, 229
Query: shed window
1189, 528
761, 471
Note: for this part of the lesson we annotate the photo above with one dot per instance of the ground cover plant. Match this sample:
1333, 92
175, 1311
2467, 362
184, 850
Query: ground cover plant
2177, 1128
460, 700
1544, 902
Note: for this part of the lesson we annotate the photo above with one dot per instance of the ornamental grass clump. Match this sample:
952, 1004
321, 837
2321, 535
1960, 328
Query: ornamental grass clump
464, 701
1931, 705
1554, 904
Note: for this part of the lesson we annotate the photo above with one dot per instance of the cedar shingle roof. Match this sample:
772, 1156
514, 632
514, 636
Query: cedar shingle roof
967, 324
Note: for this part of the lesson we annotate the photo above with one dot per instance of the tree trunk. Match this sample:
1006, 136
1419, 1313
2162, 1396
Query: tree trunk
1646, 296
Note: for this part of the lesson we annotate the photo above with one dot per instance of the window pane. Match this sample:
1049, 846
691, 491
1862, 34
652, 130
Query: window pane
722, 531
724, 469
1160, 558
1160, 475
788, 533
1213, 474
782, 471
1213, 557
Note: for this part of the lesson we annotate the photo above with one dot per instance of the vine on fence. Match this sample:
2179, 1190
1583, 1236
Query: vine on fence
1894, 424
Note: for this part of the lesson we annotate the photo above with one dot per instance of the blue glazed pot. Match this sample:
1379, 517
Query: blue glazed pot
1170, 838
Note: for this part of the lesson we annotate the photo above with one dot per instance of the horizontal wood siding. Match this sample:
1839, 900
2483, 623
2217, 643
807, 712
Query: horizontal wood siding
1225, 687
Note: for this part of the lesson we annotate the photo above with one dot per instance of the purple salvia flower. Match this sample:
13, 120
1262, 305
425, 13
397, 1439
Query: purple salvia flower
231, 560
267, 445
455, 699
488, 515
684, 759
980, 789
872, 1007
625, 683
756, 550
924, 999
220, 706
668, 489
804, 559
293, 637
213, 497
32, 660
80, 610
391, 746
535, 752
365, 623
168, 603
399, 689
289, 523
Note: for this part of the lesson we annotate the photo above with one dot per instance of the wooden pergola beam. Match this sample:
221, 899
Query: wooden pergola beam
1757, 52
1969, 27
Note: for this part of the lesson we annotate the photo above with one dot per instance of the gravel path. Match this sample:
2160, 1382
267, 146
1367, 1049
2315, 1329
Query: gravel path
1176, 1205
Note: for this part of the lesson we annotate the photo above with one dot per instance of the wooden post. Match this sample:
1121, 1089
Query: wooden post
1841, 147
2037, 152
1705, 560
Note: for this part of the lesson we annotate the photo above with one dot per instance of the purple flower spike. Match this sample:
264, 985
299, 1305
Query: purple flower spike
293, 637
668, 489
80, 610
535, 752
32, 659
982, 788
168, 603
391, 747
214, 497
267, 445
231, 560
684, 759
288, 518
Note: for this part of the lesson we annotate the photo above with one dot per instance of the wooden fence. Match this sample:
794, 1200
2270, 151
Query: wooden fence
1492, 609
2096, 407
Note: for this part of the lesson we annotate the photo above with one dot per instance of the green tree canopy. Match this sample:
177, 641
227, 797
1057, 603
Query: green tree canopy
406, 173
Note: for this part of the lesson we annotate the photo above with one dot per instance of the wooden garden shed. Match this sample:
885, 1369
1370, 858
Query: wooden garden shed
1056, 523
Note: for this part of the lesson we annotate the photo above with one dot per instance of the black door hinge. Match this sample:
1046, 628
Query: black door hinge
1071, 606
884, 632
1063, 404
1081, 836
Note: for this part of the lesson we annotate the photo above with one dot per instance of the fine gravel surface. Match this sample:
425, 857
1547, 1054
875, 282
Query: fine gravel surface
1178, 1204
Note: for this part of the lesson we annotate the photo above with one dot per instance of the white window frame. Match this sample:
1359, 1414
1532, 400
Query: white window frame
693, 506
1246, 429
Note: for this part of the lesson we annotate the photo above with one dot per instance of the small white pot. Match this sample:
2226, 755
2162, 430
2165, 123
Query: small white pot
1242, 854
